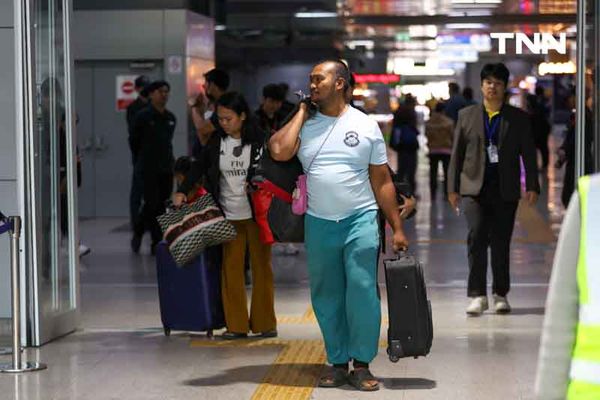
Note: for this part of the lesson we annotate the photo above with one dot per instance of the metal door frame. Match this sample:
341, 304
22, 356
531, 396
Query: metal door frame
35, 332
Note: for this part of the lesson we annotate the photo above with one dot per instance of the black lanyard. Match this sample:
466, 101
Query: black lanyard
491, 127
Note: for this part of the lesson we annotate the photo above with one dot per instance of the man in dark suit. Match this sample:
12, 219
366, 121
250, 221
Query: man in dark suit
485, 170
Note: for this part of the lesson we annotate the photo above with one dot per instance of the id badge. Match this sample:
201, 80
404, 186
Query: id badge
493, 154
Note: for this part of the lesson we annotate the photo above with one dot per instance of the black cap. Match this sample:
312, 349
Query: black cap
157, 85
141, 81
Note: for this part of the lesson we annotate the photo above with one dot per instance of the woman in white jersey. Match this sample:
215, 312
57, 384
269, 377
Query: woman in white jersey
227, 164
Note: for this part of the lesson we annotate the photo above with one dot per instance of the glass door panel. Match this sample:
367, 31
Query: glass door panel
52, 184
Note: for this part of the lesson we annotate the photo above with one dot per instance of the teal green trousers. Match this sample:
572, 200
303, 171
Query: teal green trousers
342, 264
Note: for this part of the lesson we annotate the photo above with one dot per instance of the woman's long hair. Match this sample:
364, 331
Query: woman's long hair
251, 131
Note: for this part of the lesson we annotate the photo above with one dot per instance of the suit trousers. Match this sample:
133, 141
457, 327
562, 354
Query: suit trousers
233, 287
157, 190
407, 167
490, 220
136, 193
434, 160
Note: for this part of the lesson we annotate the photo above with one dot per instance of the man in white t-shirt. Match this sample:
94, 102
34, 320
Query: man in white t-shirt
343, 154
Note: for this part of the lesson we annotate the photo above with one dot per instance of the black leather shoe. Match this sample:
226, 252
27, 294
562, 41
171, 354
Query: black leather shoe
233, 335
268, 334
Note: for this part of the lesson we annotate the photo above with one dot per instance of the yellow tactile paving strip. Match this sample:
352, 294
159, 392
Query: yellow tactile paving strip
295, 371
307, 318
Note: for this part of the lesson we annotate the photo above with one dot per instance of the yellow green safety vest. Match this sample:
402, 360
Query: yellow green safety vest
585, 362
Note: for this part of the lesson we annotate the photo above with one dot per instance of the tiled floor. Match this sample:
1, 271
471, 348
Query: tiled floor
120, 351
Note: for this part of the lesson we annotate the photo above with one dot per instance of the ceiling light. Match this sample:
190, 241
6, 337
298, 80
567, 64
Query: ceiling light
476, 1
467, 26
220, 27
352, 44
471, 13
315, 14
422, 31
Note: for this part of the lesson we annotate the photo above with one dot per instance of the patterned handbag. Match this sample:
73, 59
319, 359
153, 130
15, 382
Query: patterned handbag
190, 229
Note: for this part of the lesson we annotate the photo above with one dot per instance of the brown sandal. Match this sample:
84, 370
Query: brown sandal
334, 377
360, 378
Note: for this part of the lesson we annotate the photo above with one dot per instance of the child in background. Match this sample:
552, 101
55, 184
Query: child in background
182, 166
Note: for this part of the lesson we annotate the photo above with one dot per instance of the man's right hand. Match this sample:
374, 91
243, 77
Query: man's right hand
399, 241
178, 199
454, 200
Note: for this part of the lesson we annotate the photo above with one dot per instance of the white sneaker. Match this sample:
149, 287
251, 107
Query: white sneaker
84, 250
477, 306
501, 305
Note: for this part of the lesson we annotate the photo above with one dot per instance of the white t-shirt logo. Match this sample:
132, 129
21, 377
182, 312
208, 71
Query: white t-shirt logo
351, 139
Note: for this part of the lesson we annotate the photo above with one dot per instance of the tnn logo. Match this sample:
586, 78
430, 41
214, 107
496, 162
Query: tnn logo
541, 44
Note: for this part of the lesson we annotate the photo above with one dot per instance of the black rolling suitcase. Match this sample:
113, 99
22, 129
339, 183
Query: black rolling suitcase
190, 297
410, 330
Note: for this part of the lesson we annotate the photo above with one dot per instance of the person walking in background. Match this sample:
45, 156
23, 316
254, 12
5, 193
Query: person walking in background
404, 140
268, 115
153, 135
137, 179
455, 103
228, 163
350, 94
439, 131
485, 169
540, 126
468, 96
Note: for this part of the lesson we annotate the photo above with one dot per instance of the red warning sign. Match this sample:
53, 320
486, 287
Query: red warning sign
126, 93
128, 87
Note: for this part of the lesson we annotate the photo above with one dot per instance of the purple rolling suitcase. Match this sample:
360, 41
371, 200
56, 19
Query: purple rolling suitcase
190, 297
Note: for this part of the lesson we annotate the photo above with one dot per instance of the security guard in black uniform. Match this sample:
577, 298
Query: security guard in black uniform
137, 181
153, 136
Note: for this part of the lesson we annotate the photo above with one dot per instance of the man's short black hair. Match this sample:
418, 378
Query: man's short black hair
498, 71
182, 165
218, 77
453, 88
273, 91
351, 81
341, 70
539, 91
141, 81
468, 93
157, 85
285, 87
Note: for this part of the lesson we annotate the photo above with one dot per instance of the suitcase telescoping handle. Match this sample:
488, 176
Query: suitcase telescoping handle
402, 253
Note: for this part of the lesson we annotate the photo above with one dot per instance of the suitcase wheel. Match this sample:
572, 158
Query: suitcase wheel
167, 331
209, 333
393, 358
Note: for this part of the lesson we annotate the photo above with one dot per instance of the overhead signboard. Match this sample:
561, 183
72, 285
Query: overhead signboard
377, 78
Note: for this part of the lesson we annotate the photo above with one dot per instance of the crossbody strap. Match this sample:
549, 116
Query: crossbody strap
327, 137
